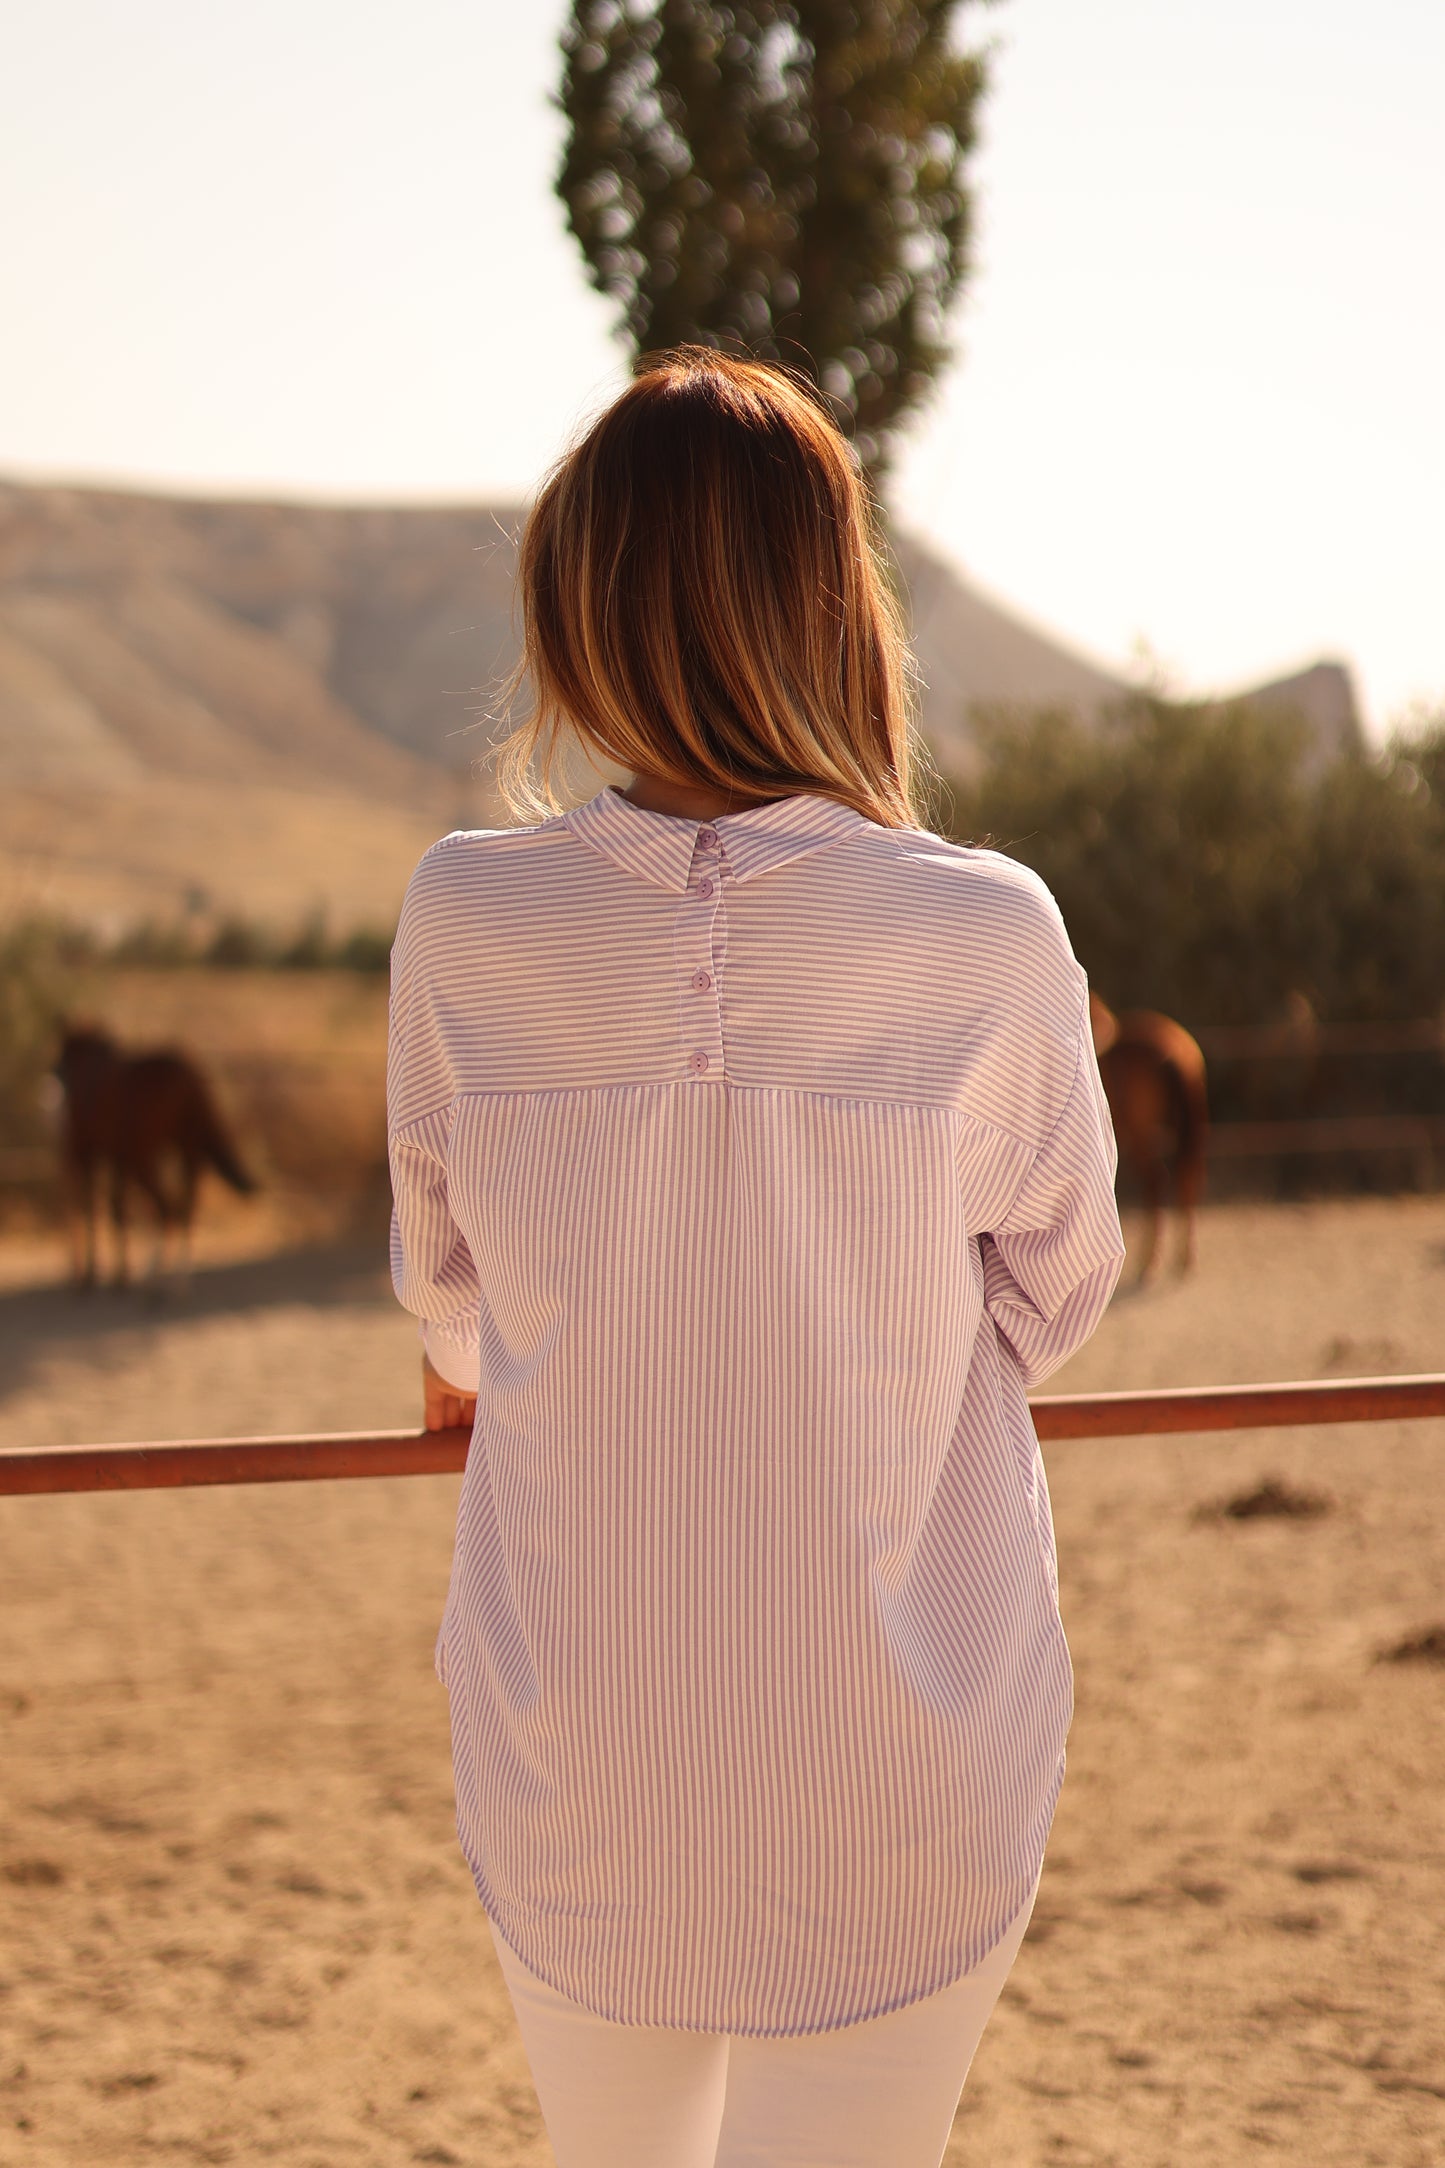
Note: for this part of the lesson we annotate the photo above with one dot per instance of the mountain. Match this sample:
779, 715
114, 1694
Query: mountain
1321, 697
272, 708
974, 654
178, 728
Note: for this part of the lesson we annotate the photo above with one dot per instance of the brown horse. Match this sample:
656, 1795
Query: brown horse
1153, 1075
131, 1116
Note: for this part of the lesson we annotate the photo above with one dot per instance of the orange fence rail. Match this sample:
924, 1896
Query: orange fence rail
443, 1452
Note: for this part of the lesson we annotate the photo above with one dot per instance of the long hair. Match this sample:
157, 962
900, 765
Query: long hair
703, 599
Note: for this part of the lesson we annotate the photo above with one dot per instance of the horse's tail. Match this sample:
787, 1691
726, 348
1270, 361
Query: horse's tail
215, 1147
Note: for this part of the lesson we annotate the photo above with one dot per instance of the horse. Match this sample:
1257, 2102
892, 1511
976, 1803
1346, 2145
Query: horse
129, 1115
1154, 1081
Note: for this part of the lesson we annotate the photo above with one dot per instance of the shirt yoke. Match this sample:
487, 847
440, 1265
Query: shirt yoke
886, 965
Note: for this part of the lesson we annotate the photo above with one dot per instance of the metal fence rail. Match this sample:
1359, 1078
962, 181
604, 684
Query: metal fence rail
327, 1456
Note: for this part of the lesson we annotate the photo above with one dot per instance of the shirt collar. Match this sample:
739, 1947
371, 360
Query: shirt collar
659, 847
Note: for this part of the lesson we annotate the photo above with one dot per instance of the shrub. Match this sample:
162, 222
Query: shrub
41, 968
364, 950
1209, 866
238, 945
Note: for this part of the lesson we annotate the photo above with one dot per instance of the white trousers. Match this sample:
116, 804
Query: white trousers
877, 2095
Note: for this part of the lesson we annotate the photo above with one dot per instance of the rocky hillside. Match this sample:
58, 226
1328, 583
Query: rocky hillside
270, 708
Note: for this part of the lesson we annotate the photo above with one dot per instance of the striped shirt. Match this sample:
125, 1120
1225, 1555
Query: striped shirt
748, 1172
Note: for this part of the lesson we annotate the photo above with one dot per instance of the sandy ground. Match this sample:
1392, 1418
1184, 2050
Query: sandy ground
236, 1928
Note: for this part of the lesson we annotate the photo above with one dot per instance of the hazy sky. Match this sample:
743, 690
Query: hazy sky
310, 247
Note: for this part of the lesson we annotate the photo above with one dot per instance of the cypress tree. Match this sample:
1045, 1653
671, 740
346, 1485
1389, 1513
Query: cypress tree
782, 178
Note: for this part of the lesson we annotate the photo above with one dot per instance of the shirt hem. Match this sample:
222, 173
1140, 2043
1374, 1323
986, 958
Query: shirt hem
863, 2015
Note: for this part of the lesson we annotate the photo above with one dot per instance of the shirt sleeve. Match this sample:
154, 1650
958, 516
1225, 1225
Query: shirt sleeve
431, 1266
432, 1269
1052, 1263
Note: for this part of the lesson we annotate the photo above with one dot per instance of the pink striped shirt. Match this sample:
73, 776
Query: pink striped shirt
749, 1171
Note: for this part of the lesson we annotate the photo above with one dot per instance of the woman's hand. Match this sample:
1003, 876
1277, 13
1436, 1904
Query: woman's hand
445, 1407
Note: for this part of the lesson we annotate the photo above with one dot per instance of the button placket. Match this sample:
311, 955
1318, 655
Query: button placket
699, 942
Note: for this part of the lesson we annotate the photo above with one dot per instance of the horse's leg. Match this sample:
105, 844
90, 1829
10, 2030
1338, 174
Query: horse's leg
1188, 1180
184, 1218
158, 1247
1190, 1168
1154, 1177
80, 1198
91, 1231
148, 1178
119, 1206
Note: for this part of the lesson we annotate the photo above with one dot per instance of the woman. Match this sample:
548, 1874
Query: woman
750, 1161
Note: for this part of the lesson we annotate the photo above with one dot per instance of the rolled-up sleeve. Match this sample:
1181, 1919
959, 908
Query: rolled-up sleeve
431, 1266
1052, 1263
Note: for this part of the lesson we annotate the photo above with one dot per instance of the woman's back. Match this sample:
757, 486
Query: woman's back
750, 1169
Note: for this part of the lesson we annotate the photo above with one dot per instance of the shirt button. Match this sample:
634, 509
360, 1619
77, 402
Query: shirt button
707, 837
704, 889
702, 980
699, 1061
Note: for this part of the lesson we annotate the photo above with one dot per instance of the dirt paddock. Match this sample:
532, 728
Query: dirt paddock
236, 1928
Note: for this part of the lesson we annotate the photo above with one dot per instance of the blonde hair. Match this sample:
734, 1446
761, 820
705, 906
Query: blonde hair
703, 599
